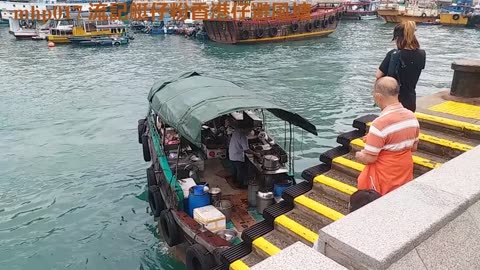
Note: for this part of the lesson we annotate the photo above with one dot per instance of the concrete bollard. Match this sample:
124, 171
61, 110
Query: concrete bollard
466, 79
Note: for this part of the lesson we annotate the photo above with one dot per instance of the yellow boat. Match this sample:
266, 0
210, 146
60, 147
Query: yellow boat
453, 19
395, 13
64, 32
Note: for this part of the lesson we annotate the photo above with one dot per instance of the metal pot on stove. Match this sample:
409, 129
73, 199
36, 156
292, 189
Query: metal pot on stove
271, 162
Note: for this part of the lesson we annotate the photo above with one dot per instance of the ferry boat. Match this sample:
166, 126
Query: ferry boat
28, 29
85, 30
185, 136
456, 13
322, 22
422, 12
474, 17
363, 10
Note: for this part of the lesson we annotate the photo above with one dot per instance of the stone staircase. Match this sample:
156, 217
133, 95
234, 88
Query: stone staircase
323, 197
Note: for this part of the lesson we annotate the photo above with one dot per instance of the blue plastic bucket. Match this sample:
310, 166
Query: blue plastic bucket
198, 190
196, 201
279, 188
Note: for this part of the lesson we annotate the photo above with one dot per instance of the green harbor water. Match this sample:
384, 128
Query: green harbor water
72, 176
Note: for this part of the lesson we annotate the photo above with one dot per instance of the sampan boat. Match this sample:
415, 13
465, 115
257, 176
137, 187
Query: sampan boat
185, 136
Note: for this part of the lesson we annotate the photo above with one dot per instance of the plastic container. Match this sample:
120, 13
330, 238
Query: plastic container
197, 201
253, 188
279, 188
210, 217
198, 190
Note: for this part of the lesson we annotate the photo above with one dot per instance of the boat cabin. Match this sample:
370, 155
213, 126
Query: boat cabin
191, 182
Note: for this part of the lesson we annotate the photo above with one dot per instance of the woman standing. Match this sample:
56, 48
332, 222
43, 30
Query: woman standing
405, 64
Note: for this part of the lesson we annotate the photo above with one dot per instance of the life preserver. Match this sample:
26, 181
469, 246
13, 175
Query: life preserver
169, 228
141, 129
308, 27
317, 23
456, 17
259, 32
424, 15
245, 34
273, 31
155, 200
198, 258
146, 149
294, 27
151, 180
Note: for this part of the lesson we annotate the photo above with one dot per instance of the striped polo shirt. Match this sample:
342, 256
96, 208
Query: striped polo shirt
396, 130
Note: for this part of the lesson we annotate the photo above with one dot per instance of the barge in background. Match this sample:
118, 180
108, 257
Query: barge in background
185, 136
322, 22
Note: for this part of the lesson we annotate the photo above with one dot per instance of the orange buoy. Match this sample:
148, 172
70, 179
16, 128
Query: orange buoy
51, 44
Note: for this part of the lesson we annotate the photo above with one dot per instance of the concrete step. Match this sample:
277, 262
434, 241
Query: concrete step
335, 184
246, 262
304, 229
314, 205
440, 124
346, 164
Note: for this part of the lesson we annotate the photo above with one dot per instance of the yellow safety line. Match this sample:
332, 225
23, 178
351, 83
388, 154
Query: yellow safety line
449, 122
416, 159
442, 142
287, 37
319, 208
340, 186
297, 228
239, 265
266, 246
458, 108
349, 163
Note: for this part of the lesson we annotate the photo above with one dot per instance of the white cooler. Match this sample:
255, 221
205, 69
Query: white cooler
211, 217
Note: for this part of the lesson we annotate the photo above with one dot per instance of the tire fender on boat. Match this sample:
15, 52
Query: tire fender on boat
273, 31
317, 23
424, 15
151, 180
141, 129
245, 34
155, 200
198, 257
324, 23
240, 24
146, 150
169, 228
259, 32
294, 27
456, 17
331, 19
116, 43
308, 27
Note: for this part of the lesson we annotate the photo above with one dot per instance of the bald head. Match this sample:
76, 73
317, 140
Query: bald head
387, 86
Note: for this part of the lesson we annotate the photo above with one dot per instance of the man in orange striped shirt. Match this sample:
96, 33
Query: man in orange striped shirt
389, 144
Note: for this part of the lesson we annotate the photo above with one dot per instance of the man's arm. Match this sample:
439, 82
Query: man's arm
374, 142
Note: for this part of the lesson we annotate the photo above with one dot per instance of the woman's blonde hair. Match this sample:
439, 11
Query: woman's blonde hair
406, 38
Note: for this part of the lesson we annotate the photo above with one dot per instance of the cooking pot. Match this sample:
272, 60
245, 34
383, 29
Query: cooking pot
271, 163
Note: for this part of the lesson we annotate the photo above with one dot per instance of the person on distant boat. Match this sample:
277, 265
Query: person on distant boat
405, 64
390, 141
237, 149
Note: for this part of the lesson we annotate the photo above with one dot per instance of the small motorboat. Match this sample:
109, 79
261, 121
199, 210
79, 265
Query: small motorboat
105, 41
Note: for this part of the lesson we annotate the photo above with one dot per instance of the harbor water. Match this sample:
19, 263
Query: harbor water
72, 176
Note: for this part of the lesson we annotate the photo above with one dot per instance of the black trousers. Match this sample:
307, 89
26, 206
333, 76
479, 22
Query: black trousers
240, 172
408, 101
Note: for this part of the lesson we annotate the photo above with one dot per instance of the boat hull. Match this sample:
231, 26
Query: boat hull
453, 19
250, 32
394, 16
360, 15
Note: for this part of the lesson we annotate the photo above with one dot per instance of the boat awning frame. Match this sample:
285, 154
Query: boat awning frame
188, 101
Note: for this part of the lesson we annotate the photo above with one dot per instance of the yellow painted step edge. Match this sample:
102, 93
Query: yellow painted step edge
267, 247
238, 265
449, 122
335, 184
297, 228
318, 207
416, 159
348, 163
442, 142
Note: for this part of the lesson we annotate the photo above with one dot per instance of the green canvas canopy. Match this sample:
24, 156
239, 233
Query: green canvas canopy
188, 101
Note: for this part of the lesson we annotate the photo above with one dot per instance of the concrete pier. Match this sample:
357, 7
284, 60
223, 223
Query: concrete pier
466, 79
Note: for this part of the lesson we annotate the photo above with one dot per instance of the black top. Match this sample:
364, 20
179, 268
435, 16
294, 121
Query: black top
414, 61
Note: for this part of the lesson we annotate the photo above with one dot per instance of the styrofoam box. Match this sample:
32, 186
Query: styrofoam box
211, 217
186, 184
